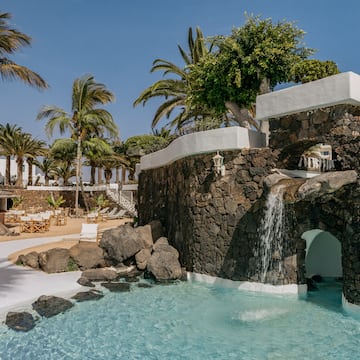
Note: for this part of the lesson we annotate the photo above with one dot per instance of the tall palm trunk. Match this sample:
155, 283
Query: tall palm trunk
117, 175
83, 194
108, 175
92, 174
20, 163
123, 175
7, 180
47, 179
99, 175
78, 166
30, 171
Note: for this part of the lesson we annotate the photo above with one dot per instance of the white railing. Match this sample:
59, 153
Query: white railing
122, 200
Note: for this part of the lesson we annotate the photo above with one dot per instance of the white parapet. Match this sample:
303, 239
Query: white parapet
230, 138
342, 88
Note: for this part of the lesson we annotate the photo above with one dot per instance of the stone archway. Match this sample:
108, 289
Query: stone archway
323, 254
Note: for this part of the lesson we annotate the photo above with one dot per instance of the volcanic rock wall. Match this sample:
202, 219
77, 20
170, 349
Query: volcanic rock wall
214, 221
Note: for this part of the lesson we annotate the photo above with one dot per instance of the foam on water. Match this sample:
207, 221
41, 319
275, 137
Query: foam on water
260, 315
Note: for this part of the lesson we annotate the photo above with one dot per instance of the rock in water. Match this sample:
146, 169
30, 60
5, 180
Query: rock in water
88, 295
100, 274
164, 264
116, 287
51, 305
20, 321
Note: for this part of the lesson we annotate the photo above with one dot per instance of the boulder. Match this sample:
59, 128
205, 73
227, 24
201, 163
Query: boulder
164, 264
54, 260
326, 183
142, 257
116, 287
87, 255
274, 178
5, 231
166, 248
160, 241
51, 305
144, 234
31, 259
100, 274
83, 281
88, 295
157, 229
20, 321
125, 241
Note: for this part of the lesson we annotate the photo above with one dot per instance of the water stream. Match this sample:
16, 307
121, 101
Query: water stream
271, 231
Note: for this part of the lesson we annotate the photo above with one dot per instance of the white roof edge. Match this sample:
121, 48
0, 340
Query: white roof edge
343, 88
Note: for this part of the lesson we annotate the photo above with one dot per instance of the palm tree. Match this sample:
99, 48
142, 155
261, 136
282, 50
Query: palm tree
96, 149
85, 118
65, 171
63, 150
35, 148
12, 40
175, 90
111, 162
25, 147
7, 133
48, 167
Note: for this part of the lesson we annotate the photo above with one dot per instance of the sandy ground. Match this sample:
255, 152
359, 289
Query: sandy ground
73, 227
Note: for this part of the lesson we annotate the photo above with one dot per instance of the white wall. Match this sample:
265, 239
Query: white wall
13, 169
230, 138
343, 88
323, 254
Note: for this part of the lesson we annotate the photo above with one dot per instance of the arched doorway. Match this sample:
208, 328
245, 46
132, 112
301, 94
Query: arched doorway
323, 254
323, 268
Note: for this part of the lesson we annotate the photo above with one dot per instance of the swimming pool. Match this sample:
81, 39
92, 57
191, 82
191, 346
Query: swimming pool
193, 321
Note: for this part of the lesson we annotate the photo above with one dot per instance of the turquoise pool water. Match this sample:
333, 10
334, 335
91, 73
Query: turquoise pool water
193, 321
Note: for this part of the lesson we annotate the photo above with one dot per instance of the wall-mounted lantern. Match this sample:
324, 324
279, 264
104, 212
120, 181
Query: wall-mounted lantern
219, 167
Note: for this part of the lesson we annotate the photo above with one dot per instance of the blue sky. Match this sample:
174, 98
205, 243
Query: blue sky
117, 41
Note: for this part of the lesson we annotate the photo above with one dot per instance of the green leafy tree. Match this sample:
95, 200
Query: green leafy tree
310, 70
139, 145
11, 40
63, 150
85, 118
251, 61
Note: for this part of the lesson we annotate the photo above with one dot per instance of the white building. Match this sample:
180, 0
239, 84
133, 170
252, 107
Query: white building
13, 170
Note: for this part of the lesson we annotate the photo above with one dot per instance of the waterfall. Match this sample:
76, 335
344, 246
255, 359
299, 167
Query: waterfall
271, 231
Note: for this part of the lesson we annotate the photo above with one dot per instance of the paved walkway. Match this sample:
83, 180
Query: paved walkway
20, 286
